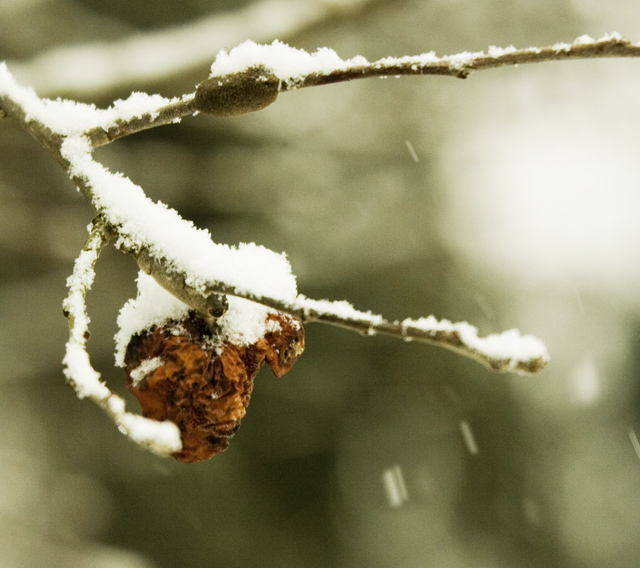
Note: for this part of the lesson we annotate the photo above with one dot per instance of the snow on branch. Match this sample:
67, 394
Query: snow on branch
296, 68
509, 351
162, 438
251, 76
185, 260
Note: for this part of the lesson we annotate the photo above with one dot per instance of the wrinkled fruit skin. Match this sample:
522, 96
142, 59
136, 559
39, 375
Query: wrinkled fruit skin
205, 393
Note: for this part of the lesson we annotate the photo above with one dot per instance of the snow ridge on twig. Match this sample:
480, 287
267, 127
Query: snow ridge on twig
182, 257
509, 351
95, 67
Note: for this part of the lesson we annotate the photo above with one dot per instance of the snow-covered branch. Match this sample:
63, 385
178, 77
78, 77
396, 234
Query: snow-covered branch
219, 288
508, 351
160, 54
185, 260
251, 76
162, 438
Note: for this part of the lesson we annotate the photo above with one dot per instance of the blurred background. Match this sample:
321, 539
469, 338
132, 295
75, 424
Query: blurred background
510, 199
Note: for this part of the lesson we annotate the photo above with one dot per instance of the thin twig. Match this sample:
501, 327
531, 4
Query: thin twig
162, 438
177, 49
505, 352
73, 152
462, 65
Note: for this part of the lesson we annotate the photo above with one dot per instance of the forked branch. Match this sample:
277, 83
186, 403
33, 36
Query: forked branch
289, 69
182, 258
162, 438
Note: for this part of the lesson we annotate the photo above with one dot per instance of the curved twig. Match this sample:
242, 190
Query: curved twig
162, 438
313, 70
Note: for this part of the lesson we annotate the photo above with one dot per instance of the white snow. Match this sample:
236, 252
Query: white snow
464, 59
162, 438
422, 59
287, 63
510, 346
395, 486
78, 283
291, 64
84, 378
70, 117
634, 441
153, 306
73, 118
145, 368
77, 366
468, 438
244, 322
607, 37
494, 51
412, 151
585, 39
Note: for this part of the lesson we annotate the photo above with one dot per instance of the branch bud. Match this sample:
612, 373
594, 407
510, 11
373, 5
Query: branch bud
252, 89
210, 306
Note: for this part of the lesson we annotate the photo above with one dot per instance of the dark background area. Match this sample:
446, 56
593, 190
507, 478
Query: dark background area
521, 211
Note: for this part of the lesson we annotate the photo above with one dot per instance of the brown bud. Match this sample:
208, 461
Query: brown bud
252, 89
203, 383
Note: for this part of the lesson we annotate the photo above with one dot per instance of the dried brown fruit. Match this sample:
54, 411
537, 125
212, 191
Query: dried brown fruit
202, 382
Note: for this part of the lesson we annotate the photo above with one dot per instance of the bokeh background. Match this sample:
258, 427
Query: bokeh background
510, 199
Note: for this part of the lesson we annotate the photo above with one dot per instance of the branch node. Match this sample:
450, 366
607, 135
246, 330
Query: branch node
210, 305
238, 93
